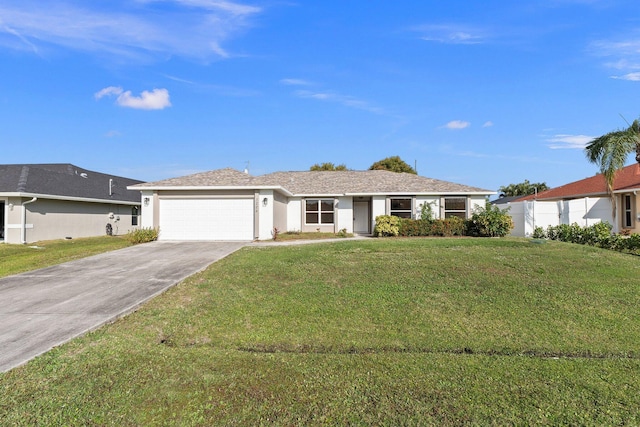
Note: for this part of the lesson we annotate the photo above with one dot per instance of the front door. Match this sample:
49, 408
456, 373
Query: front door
361, 221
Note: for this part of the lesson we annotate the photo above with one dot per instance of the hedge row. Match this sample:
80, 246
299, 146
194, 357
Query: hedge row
599, 235
490, 221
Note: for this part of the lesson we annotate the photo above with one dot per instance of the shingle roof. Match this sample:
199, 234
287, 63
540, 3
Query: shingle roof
65, 180
321, 182
505, 199
626, 178
216, 178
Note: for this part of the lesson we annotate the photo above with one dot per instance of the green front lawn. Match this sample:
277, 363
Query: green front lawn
16, 259
374, 332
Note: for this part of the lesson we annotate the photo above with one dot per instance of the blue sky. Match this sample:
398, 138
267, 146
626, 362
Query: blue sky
483, 93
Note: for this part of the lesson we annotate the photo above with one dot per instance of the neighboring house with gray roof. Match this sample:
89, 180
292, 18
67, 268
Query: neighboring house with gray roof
227, 204
57, 201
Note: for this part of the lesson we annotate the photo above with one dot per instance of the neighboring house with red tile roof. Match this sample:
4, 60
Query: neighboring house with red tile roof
227, 204
59, 200
584, 202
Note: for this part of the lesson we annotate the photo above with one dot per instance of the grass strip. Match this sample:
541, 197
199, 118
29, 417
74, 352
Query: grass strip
16, 259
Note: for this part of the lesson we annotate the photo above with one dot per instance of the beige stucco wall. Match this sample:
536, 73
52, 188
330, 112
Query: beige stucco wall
265, 214
635, 207
476, 202
344, 214
294, 214
435, 205
47, 219
280, 212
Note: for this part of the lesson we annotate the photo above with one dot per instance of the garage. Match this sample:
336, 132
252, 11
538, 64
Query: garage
206, 218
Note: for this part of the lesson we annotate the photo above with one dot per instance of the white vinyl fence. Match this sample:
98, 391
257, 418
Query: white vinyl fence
585, 212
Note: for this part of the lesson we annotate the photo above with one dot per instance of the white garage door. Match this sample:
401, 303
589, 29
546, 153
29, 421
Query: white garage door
206, 219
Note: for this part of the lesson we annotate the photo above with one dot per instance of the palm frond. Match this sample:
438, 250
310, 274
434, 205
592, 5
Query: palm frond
610, 151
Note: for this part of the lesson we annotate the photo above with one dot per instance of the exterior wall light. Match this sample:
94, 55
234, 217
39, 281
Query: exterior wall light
265, 201
146, 201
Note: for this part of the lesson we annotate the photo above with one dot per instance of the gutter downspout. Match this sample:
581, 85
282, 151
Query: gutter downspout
23, 225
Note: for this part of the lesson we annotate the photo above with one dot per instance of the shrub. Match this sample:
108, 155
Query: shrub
490, 221
426, 212
142, 235
452, 226
632, 243
539, 233
413, 227
598, 234
455, 226
387, 225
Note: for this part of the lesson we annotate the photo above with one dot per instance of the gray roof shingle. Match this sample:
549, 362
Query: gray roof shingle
65, 180
321, 182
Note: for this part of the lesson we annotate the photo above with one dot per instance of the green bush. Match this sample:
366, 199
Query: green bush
386, 225
448, 227
539, 233
490, 221
142, 235
599, 235
426, 212
454, 226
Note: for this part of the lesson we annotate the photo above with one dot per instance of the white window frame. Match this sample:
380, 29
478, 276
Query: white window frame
319, 212
627, 204
393, 211
135, 216
464, 211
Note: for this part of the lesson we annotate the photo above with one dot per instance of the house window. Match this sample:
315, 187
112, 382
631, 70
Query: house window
134, 215
402, 208
319, 211
455, 206
628, 212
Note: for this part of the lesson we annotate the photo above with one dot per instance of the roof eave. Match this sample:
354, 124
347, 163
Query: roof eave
208, 188
631, 189
570, 196
425, 193
71, 198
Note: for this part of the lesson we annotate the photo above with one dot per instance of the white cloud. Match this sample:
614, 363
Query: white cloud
457, 124
227, 6
451, 34
487, 124
111, 90
113, 134
345, 100
157, 99
559, 142
624, 54
634, 77
295, 82
453, 151
188, 28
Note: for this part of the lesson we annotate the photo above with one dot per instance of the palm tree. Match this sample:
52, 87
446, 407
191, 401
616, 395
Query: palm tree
610, 152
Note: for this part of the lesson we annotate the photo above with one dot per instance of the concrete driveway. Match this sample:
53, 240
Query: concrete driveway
45, 308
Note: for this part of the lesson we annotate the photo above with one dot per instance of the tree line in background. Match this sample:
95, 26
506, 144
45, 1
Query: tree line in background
525, 188
393, 164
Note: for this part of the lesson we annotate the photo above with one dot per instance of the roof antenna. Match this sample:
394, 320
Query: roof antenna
246, 168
